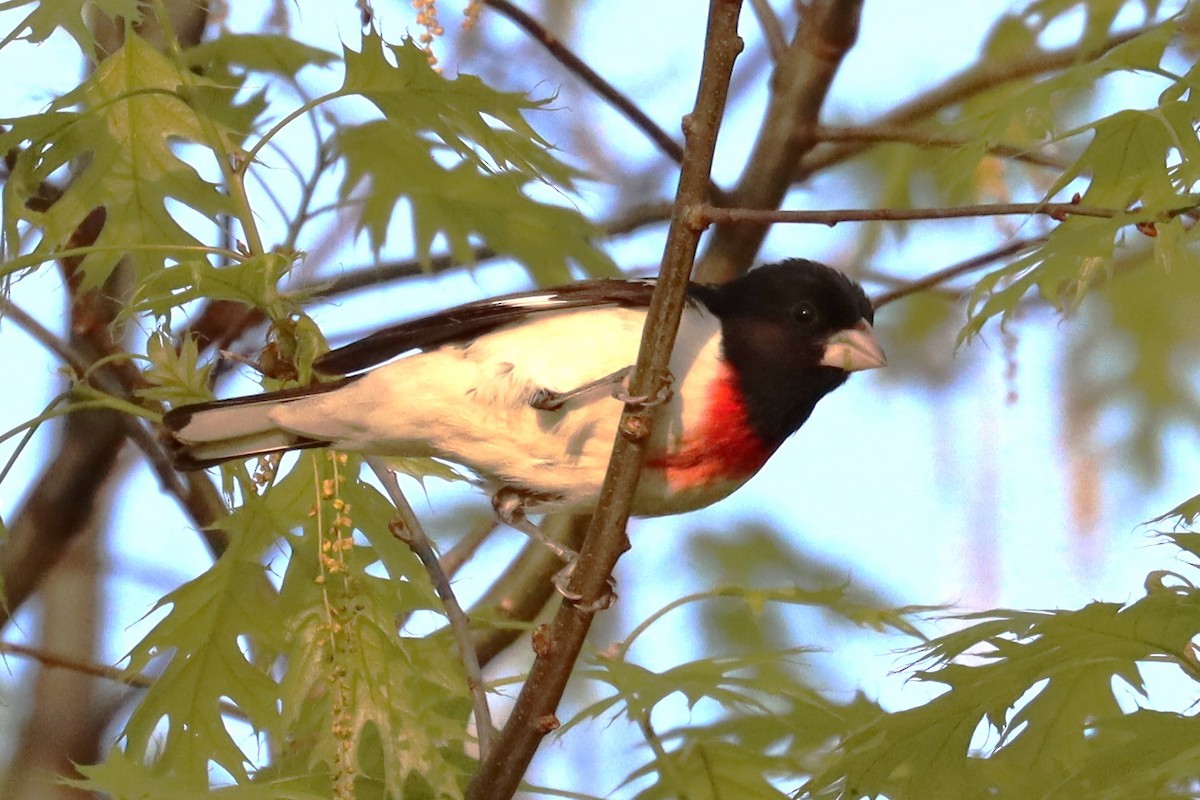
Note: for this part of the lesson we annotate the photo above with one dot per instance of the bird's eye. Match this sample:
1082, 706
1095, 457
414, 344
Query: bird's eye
804, 314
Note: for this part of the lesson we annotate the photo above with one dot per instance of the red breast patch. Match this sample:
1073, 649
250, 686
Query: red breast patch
725, 447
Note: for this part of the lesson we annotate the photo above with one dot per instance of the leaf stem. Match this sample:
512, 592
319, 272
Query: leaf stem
218, 141
33, 259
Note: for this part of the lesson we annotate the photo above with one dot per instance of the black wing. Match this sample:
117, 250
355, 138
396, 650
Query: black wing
466, 322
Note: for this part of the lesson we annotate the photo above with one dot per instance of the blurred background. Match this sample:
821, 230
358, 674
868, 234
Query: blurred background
1017, 470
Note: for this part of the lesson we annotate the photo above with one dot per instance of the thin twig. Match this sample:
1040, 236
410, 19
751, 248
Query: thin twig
955, 270
58, 661
114, 674
772, 30
466, 547
873, 134
669, 147
966, 84
831, 217
534, 714
194, 501
618, 100
411, 533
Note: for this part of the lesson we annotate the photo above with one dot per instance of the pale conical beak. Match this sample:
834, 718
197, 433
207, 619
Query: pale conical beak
854, 349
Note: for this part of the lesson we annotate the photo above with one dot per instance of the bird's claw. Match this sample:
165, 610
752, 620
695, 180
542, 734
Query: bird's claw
562, 580
548, 400
662, 395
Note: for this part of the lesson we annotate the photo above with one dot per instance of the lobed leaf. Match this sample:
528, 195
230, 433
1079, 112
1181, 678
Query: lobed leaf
125, 140
71, 16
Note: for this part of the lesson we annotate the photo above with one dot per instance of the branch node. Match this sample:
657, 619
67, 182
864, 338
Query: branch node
697, 217
542, 642
635, 428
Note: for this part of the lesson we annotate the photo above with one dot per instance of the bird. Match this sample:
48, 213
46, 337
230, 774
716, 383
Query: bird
525, 390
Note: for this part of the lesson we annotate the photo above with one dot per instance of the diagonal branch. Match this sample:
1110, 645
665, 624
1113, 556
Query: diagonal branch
876, 134
61, 661
578, 67
613, 96
533, 716
772, 30
408, 529
953, 271
960, 87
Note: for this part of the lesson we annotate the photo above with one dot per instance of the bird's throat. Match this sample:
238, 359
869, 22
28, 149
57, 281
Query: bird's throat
724, 449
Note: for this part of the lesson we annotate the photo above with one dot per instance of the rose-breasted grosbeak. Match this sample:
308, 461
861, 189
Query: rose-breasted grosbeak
524, 390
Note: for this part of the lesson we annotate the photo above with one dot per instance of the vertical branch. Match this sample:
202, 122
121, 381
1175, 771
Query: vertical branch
533, 716
64, 723
827, 30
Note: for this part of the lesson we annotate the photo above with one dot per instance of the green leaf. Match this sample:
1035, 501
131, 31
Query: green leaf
48, 16
1127, 160
256, 52
1184, 514
458, 111
365, 702
175, 376
710, 769
463, 156
460, 203
126, 138
1039, 682
253, 281
1076, 256
123, 778
221, 632
1144, 754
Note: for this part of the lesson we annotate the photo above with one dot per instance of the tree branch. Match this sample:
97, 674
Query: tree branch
874, 134
960, 87
953, 271
614, 97
407, 528
60, 661
827, 30
831, 217
533, 716
772, 30
592, 79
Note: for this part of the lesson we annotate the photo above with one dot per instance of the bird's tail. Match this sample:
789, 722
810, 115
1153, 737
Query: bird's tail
207, 434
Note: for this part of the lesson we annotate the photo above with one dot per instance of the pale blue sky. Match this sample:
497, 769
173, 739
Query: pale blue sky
951, 496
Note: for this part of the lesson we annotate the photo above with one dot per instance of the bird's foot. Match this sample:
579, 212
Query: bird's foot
562, 584
662, 395
550, 400
509, 505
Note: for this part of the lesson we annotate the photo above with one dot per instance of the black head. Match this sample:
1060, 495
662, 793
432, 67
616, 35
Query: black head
779, 324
